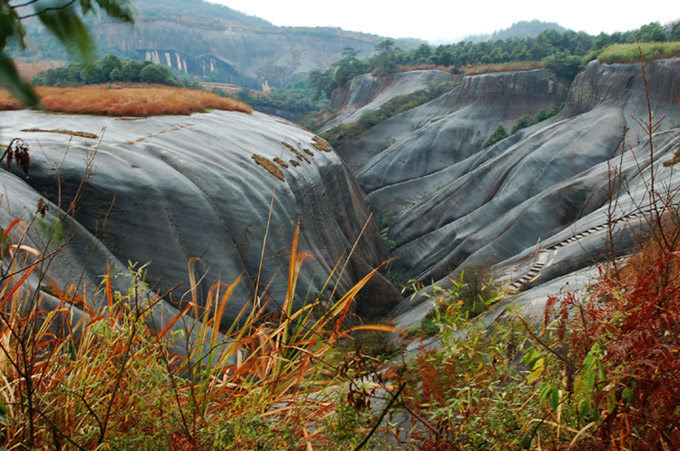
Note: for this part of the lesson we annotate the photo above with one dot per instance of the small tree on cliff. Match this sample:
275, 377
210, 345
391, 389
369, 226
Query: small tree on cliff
497, 135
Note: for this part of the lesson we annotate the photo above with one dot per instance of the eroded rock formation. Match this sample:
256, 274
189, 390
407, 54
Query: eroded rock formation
169, 189
454, 203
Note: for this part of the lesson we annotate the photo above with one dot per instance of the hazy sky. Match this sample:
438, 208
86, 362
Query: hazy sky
449, 19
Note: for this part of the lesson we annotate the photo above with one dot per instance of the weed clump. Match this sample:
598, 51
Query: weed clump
321, 144
109, 376
281, 163
300, 156
270, 166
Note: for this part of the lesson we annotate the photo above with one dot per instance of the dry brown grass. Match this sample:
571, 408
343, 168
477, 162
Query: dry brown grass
300, 156
514, 66
269, 166
62, 132
321, 144
140, 100
280, 162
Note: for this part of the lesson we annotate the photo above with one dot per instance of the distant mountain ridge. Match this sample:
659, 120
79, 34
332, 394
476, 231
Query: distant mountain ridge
216, 43
521, 29
150, 9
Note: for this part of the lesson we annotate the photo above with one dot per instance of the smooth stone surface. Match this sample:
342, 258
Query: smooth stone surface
170, 189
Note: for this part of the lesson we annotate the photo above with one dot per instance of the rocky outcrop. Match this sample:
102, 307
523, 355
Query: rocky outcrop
453, 203
211, 186
368, 92
392, 159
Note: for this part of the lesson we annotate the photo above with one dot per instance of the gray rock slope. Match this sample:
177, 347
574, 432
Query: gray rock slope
367, 92
442, 133
80, 261
173, 188
454, 203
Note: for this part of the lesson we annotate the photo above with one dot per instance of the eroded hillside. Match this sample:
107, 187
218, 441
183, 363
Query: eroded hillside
452, 202
169, 189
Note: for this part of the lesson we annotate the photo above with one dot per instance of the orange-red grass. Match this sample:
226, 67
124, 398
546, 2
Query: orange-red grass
146, 100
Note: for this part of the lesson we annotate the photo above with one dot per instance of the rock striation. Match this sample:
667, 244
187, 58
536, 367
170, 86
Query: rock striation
453, 203
367, 92
398, 162
167, 190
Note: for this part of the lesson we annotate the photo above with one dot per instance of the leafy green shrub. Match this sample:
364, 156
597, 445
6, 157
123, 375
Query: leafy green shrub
498, 134
527, 121
564, 65
476, 289
110, 69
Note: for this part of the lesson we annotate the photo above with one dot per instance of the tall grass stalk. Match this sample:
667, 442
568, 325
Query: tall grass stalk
111, 378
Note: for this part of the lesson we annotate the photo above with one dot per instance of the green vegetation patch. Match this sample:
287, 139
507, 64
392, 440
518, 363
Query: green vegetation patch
527, 121
338, 135
629, 53
499, 134
269, 166
111, 69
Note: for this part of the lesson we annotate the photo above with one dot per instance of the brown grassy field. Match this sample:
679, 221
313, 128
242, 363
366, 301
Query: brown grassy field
514, 66
120, 100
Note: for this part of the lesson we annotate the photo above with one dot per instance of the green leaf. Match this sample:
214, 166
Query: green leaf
583, 409
51, 227
627, 394
9, 77
537, 370
550, 394
555, 398
530, 357
68, 27
10, 25
86, 5
118, 9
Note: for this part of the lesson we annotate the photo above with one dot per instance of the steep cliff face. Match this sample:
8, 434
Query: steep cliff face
621, 86
454, 203
170, 189
247, 50
201, 65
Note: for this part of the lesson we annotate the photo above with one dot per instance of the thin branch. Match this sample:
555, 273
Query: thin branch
51, 8
382, 416
24, 4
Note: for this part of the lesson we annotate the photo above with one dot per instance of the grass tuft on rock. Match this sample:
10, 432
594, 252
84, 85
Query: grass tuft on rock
270, 166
